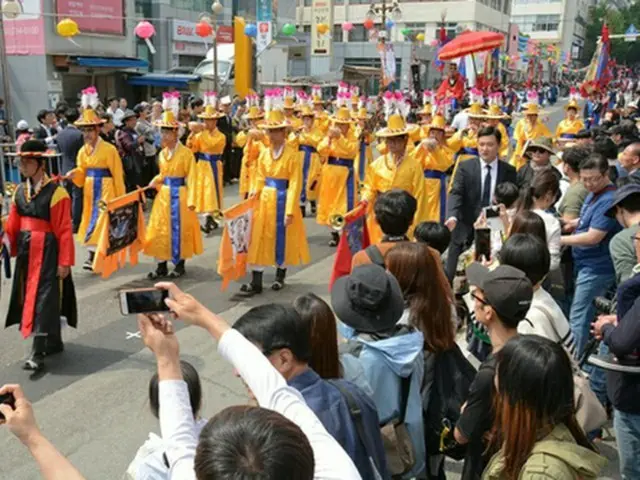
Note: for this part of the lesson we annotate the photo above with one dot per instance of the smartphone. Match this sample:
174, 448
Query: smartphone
483, 243
143, 300
9, 400
491, 212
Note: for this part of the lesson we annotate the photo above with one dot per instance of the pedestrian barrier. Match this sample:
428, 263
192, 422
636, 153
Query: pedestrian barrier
10, 173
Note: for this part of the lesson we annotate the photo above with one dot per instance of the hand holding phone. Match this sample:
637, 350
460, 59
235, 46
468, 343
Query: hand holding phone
143, 300
7, 399
483, 243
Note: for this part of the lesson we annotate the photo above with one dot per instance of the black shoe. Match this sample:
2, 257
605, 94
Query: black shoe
303, 209
335, 239
253, 288
281, 273
313, 208
178, 270
88, 264
35, 362
161, 272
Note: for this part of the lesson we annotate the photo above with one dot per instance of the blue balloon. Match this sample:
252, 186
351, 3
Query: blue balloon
389, 24
251, 30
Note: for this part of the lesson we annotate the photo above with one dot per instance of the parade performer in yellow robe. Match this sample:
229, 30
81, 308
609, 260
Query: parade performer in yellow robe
173, 232
338, 185
494, 118
307, 139
322, 118
528, 128
426, 116
399, 168
100, 174
289, 113
208, 147
251, 142
278, 235
464, 143
436, 159
365, 139
568, 128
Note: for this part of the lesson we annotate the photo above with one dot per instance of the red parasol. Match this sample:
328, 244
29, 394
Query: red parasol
468, 43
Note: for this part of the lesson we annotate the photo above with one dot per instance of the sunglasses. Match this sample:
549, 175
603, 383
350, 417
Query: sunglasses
536, 150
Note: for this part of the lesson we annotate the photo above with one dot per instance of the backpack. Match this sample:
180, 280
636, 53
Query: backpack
375, 255
451, 376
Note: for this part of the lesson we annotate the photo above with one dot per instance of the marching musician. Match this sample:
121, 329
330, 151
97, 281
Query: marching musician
173, 232
208, 147
100, 174
436, 159
399, 168
278, 235
40, 230
322, 118
528, 128
338, 186
252, 142
308, 138
464, 143
494, 117
365, 139
569, 127
425, 116
289, 113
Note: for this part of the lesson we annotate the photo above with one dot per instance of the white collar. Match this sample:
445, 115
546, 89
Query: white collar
171, 152
276, 154
493, 164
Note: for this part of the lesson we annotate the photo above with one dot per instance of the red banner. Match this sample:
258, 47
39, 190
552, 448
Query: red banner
94, 16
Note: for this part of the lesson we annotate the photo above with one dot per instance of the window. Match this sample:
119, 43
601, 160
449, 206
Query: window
537, 23
337, 33
450, 29
358, 34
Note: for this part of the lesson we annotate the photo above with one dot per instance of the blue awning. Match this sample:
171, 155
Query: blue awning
174, 80
108, 62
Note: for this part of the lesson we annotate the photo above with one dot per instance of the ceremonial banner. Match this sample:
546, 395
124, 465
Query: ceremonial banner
236, 238
121, 233
321, 13
354, 237
264, 17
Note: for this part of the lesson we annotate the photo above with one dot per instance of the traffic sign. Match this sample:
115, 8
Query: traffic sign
631, 34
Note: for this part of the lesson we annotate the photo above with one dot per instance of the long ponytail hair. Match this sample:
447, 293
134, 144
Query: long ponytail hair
543, 182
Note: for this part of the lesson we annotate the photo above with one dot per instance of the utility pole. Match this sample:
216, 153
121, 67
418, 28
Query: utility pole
6, 87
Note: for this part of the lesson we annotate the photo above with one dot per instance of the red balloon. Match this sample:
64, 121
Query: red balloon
203, 29
368, 24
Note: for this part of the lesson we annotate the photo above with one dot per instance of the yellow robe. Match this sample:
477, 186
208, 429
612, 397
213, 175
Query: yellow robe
251, 149
434, 166
365, 155
464, 145
100, 174
567, 129
278, 183
208, 148
338, 187
173, 232
322, 122
385, 174
295, 122
307, 146
504, 141
523, 133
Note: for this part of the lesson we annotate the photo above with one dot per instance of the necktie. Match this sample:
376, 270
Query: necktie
486, 189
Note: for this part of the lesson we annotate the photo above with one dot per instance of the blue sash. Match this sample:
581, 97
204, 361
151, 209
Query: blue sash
362, 160
213, 160
442, 176
306, 164
280, 185
345, 162
97, 174
568, 135
174, 184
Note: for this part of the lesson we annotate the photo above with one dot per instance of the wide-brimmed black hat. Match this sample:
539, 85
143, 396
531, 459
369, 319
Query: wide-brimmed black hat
33, 148
369, 300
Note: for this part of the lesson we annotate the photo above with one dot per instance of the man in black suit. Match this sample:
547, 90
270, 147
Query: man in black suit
47, 130
70, 141
225, 125
473, 188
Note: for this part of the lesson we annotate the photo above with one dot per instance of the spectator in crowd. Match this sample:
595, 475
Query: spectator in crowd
584, 138
528, 222
47, 131
145, 130
630, 160
23, 133
325, 360
536, 430
468, 196
502, 298
285, 340
625, 208
225, 125
531, 256
539, 198
606, 147
394, 211
380, 356
108, 129
434, 234
595, 274
115, 111
539, 153
197, 107
282, 439
621, 334
4, 127
576, 192
129, 145
70, 141
150, 460
61, 115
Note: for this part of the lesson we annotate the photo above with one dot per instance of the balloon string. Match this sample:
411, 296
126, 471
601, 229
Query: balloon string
74, 42
152, 49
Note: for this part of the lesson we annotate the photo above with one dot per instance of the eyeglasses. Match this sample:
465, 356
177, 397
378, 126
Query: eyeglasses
591, 180
481, 300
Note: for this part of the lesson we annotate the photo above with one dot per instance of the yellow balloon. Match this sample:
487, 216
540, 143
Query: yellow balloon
507, 58
322, 28
67, 28
420, 37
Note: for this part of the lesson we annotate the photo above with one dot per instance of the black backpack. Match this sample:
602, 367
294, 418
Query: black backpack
451, 375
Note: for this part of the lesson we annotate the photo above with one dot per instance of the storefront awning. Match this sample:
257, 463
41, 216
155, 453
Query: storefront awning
109, 62
164, 80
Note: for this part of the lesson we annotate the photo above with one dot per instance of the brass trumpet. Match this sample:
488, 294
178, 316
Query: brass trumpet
102, 206
337, 221
10, 188
218, 216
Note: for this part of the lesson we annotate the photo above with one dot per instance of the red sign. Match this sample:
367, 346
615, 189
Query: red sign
94, 16
24, 35
225, 34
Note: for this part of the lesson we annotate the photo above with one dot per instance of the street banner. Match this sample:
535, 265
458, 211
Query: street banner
353, 238
321, 12
264, 22
236, 239
121, 233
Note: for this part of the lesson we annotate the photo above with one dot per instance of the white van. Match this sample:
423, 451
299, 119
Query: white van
226, 62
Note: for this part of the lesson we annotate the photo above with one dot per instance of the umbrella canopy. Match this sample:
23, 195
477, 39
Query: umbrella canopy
468, 43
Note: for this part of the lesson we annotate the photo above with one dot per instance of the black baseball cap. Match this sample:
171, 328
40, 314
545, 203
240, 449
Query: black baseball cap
621, 195
506, 289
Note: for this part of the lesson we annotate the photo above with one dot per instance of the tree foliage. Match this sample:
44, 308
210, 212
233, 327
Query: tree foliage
625, 53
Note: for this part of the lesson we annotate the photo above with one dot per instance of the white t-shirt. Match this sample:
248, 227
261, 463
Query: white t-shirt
545, 318
554, 232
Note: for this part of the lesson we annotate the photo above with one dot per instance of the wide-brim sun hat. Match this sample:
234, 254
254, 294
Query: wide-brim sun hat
254, 113
342, 115
396, 127
89, 118
274, 120
545, 143
168, 120
210, 113
368, 300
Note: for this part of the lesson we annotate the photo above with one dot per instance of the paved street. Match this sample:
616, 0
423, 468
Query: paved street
92, 401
